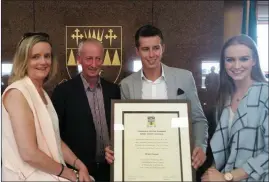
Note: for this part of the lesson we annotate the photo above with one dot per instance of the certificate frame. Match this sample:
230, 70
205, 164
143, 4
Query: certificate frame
119, 108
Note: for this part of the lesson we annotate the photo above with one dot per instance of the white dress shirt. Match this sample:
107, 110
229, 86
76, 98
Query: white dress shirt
154, 90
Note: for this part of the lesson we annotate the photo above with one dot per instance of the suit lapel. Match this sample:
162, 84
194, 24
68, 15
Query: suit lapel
106, 99
170, 81
82, 97
137, 85
105, 91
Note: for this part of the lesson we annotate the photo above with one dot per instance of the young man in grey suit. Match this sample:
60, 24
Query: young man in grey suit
158, 81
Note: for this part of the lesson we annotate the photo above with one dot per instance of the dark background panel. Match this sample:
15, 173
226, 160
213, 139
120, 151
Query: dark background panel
193, 32
54, 16
17, 18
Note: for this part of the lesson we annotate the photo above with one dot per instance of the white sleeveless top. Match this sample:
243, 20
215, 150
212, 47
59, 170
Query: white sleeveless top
231, 118
55, 123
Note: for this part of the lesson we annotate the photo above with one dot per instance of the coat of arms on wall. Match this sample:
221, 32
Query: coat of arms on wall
111, 38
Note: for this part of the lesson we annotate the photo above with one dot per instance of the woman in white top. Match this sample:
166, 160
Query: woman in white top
240, 142
32, 149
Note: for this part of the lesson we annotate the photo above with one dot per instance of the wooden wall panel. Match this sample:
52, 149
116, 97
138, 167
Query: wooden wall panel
54, 16
193, 31
17, 18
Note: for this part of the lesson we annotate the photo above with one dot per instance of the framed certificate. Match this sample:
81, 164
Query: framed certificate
151, 140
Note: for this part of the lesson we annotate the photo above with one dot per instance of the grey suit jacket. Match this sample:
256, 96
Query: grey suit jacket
131, 88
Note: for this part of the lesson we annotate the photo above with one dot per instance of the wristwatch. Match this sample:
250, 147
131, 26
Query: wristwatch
228, 177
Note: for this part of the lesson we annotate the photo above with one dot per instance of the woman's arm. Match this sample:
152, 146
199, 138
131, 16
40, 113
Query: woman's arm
71, 158
239, 174
23, 126
257, 167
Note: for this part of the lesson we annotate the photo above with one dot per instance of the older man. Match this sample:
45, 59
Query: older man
83, 106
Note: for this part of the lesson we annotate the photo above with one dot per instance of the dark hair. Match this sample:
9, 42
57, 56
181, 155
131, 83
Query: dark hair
227, 87
30, 34
147, 31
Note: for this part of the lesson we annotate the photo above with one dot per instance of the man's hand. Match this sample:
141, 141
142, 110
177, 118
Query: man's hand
198, 157
109, 155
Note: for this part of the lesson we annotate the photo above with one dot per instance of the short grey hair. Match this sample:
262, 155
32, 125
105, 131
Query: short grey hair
89, 40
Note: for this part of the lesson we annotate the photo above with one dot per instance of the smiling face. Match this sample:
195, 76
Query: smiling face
150, 50
239, 62
39, 62
91, 59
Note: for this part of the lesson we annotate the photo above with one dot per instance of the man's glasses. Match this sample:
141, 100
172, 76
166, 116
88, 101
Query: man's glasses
30, 34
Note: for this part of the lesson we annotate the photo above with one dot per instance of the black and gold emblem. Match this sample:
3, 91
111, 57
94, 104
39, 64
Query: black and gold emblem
111, 38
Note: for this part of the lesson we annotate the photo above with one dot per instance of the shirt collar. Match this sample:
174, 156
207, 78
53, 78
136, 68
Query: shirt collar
162, 75
86, 84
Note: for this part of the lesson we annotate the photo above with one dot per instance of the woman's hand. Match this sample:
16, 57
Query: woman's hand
69, 174
212, 174
83, 172
84, 175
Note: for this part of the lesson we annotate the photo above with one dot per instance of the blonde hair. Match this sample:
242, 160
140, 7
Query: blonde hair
21, 58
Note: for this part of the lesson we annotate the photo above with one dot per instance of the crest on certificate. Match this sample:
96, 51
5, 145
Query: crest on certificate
151, 121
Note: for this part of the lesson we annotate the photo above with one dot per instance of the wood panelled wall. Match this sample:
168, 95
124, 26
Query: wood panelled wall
193, 30
233, 14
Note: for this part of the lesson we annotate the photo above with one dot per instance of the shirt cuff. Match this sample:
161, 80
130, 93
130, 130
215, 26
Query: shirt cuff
254, 172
